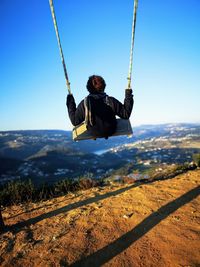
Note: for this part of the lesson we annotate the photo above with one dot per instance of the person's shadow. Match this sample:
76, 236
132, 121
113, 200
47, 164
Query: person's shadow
105, 254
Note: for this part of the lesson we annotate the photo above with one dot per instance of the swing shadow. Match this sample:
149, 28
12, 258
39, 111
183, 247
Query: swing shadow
105, 254
34, 209
15, 228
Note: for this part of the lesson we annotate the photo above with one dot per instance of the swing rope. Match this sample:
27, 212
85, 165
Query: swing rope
132, 43
59, 44
62, 55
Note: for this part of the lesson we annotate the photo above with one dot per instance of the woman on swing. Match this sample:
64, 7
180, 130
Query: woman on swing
99, 110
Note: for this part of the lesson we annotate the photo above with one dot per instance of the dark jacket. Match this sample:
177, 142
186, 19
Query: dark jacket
77, 115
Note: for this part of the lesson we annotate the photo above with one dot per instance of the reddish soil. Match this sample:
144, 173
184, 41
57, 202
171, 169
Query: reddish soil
139, 224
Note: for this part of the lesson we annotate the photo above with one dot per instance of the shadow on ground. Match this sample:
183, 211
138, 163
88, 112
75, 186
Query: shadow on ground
19, 226
105, 254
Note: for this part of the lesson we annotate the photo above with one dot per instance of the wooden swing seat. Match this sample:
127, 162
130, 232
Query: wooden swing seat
80, 131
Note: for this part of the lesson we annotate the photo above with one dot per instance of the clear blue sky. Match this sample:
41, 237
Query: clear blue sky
96, 40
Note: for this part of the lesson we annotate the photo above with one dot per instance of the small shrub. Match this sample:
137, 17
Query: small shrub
127, 180
86, 183
63, 187
16, 192
1, 221
196, 158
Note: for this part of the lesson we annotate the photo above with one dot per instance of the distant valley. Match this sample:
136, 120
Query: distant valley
46, 156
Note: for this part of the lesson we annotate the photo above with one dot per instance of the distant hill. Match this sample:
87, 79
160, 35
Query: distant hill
50, 155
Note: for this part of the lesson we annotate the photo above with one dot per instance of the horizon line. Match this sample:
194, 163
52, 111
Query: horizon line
136, 125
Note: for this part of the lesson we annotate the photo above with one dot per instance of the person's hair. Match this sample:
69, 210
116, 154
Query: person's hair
96, 84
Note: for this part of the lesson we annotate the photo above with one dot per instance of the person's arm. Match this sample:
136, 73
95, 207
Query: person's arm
76, 115
124, 110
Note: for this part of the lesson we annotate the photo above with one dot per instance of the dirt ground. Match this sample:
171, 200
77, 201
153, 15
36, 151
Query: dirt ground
139, 224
